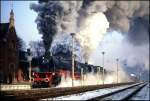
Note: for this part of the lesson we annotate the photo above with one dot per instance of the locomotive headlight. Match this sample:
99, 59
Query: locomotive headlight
33, 73
53, 74
46, 80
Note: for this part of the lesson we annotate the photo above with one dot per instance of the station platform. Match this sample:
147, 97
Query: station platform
15, 86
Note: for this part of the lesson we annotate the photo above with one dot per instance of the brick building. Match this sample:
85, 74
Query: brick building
9, 53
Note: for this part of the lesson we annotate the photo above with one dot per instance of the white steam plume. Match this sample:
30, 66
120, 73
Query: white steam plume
128, 17
92, 32
116, 46
94, 79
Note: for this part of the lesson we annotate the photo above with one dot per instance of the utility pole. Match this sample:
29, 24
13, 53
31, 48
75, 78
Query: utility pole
140, 74
117, 69
81, 76
98, 74
72, 34
103, 66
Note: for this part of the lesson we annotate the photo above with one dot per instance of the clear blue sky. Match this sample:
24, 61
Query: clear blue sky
24, 19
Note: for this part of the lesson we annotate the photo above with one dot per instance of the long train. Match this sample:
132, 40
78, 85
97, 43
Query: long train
62, 69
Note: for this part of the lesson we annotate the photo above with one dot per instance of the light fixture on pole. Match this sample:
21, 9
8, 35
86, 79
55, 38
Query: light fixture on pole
98, 75
72, 34
140, 74
103, 66
81, 76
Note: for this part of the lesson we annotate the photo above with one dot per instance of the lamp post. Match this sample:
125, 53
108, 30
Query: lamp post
29, 59
98, 74
140, 73
139, 76
81, 76
117, 69
72, 34
103, 53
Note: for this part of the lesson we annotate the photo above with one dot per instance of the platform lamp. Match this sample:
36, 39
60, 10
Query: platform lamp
72, 34
82, 74
117, 69
103, 53
29, 60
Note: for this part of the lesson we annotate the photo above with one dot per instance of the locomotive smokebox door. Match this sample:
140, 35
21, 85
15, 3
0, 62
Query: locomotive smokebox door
29, 52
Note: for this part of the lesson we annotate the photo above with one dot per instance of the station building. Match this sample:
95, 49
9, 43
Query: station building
9, 53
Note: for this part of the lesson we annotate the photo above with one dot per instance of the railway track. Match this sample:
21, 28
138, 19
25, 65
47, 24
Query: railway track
143, 94
36, 94
122, 94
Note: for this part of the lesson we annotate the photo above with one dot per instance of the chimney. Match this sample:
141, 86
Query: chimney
43, 1
86, 61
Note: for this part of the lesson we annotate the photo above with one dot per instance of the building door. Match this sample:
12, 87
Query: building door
11, 75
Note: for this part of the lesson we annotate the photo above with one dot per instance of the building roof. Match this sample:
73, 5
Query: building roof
4, 29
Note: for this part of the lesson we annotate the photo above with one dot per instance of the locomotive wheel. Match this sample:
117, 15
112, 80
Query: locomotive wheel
56, 80
49, 84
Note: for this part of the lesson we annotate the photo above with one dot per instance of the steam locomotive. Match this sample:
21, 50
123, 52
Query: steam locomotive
52, 78
59, 66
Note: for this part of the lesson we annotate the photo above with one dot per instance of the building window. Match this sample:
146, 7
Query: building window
12, 45
11, 67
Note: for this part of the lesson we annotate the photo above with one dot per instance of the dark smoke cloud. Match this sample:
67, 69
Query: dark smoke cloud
48, 15
131, 17
139, 31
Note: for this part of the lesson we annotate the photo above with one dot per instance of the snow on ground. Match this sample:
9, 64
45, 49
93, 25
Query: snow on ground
89, 94
143, 94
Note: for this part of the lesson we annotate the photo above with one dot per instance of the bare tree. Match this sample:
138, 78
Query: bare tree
37, 48
21, 44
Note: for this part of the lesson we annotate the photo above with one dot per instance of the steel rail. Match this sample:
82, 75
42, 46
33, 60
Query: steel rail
105, 96
134, 92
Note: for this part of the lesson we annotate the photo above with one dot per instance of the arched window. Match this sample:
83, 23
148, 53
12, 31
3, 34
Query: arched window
11, 67
12, 45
